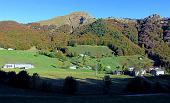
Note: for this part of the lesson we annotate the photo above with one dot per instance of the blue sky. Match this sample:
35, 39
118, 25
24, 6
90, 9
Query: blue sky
35, 10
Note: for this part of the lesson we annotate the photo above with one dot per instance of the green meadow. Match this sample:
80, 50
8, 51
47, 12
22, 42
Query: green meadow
51, 67
93, 51
44, 66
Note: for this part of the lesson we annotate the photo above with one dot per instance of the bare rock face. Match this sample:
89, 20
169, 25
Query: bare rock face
77, 19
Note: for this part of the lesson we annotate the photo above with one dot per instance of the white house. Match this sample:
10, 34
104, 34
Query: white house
10, 49
134, 72
2, 48
87, 67
21, 66
154, 68
141, 72
131, 68
157, 72
160, 72
73, 67
82, 55
108, 67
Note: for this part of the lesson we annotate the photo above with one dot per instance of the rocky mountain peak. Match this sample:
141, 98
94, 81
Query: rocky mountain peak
74, 20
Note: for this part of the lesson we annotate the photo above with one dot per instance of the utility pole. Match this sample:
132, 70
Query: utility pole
98, 63
96, 69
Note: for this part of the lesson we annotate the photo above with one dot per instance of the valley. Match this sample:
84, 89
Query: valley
77, 56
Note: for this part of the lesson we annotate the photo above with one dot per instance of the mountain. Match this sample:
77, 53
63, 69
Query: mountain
149, 36
74, 20
153, 34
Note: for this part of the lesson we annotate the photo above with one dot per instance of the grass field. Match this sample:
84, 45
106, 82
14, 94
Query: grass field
50, 67
92, 50
114, 62
45, 66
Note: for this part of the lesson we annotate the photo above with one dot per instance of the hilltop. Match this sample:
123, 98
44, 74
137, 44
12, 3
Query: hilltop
74, 20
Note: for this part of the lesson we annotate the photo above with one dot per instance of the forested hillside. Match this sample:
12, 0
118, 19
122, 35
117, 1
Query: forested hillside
18, 36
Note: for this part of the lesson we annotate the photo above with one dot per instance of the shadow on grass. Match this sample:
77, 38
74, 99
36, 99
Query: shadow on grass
86, 86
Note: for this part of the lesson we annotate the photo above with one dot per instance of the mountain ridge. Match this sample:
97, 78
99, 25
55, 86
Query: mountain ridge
73, 19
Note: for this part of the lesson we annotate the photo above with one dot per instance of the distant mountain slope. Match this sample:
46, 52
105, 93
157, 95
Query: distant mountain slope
122, 40
18, 36
9, 25
74, 20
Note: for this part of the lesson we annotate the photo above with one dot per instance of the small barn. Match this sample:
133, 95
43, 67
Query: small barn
132, 72
2, 48
157, 72
21, 66
73, 67
10, 49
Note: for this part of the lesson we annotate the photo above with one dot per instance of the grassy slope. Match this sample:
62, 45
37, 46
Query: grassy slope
65, 20
58, 21
49, 67
109, 60
114, 61
94, 50
120, 61
43, 65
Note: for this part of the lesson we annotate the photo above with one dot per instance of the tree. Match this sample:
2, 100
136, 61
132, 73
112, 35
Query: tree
34, 79
100, 67
70, 85
107, 84
23, 79
12, 78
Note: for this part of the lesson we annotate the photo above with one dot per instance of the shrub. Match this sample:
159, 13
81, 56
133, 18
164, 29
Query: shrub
70, 54
12, 78
3, 76
72, 43
100, 68
70, 85
107, 84
108, 71
46, 86
49, 54
35, 79
23, 79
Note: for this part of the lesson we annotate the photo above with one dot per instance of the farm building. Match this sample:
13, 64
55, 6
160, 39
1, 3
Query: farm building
10, 49
73, 67
157, 72
2, 48
132, 72
21, 66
